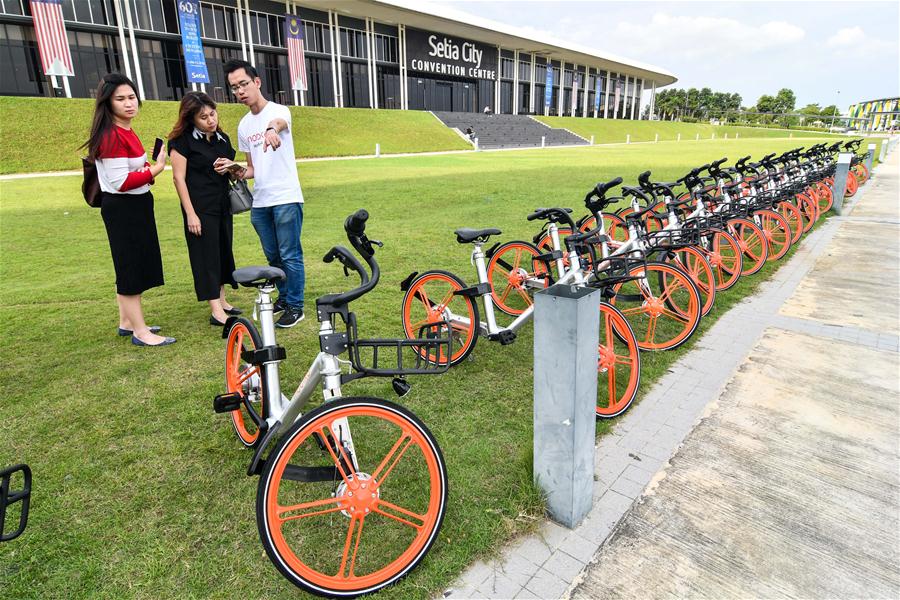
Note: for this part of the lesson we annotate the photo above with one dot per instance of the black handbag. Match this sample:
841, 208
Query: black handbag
90, 187
239, 196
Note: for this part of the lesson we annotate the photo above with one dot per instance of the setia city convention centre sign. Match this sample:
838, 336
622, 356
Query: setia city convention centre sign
441, 54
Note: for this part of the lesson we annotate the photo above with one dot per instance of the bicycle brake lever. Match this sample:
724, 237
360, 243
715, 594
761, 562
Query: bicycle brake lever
377, 243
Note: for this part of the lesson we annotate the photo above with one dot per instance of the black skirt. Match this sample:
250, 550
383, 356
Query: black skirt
131, 229
212, 262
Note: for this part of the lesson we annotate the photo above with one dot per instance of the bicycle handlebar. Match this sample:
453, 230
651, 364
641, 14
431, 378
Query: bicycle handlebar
595, 200
554, 215
355, 226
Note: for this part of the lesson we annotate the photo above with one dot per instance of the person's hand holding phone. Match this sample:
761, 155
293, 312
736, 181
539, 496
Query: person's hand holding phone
159, 156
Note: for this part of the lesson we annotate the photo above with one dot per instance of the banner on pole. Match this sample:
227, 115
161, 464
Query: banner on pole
293, 38
616, 102
56, 59
194, 59
597, 91
548, 87
574, 93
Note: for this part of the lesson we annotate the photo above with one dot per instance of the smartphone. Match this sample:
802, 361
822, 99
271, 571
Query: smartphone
157, 147
234, 167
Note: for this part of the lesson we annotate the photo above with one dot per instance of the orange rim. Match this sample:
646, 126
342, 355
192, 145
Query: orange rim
237, 375
613, 224
618, 364
545, 244
425, 302
512, 267
401, 489
852, 184
826, 198
752, 243
724, 256
810, 210
777, 232
794, 218
691, 261
648, 304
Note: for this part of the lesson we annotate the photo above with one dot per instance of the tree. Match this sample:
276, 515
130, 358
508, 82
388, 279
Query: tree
785, 100
829, 111
765, 104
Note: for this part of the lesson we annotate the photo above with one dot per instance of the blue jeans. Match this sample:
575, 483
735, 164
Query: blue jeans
278, 228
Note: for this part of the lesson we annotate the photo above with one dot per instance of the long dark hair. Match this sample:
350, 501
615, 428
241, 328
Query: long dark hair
191, 104
103, 115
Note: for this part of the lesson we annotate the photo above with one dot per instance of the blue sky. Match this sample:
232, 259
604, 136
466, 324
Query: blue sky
827, 52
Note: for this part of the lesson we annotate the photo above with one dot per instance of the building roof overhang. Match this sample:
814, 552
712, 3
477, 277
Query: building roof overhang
422, 15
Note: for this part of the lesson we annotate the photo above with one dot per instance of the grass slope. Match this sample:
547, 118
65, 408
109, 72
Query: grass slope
607, 131
43, 134
140, 489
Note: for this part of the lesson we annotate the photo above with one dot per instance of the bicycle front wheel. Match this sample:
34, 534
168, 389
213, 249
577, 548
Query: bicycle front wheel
619, 364
343, 514
514, 272
752, 242
776, 230
694, 263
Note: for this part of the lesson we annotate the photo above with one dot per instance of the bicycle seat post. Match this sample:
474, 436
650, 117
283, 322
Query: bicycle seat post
481, 270
266, 314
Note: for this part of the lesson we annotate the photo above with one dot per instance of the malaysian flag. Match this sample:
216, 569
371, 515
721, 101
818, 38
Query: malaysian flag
51, 36
293, 35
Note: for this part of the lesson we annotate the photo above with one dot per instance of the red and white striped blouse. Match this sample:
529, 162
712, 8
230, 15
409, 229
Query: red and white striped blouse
121, 162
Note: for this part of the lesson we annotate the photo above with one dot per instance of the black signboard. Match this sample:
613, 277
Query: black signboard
441, 54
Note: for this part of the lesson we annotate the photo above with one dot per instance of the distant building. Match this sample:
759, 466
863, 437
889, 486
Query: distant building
875, 115
388, 54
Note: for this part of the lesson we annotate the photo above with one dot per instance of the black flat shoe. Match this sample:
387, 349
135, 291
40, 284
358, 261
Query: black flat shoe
233, 311
166, 342
215, 322
127, 332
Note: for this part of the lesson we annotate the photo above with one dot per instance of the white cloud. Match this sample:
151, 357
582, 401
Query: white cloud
855, 43
701, 37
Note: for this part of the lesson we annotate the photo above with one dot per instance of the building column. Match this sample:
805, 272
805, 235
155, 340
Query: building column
562, 87
574, 90
370, 62
515, 98
531, 94
250, 55
636, 103
497, 83
584, 99
401, 48
606, 100
122, 41
134, 51
242, 34
653, 99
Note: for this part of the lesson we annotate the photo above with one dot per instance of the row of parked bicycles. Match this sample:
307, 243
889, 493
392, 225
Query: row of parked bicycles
352, 494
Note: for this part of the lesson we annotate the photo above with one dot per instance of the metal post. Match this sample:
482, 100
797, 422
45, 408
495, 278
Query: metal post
726, 136
870, 156
566, 333
543, 141
377, 150
840, 180
628, 138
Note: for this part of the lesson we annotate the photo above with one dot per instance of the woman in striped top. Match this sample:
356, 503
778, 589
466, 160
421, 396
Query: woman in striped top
127, 209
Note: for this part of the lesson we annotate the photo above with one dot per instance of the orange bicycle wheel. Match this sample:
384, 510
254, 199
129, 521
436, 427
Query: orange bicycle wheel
826, 198
352, 498
694, 263
429, 298
809, 209
244, 378
724, 256
794, 217
661, 303
852, 184
752, 242
545, 244
776, 230
618, 365
514, 273
613, 224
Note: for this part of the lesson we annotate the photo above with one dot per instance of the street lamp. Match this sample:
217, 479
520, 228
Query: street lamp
836, 108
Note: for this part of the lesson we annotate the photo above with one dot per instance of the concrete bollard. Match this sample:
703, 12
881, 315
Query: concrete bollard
870, 157
377, 150
790, 136
678, 139
726, 136
737, 135
713, 135
628, 138
477, 147
840, 181
543, 141
592, 140
881, 154
657, 138
566, 334
698, 138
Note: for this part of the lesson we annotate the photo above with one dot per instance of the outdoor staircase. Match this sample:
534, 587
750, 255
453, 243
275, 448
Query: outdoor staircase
508, 131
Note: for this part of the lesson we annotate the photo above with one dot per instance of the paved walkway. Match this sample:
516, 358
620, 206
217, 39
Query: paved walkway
788, 485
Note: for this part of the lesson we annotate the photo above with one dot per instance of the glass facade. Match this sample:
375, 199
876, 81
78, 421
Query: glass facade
228, 31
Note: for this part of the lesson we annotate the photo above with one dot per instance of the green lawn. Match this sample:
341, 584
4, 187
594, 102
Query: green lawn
607, 131
140, 488
43, 134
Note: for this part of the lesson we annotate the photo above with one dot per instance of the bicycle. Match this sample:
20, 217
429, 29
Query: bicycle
439, 294
351, 465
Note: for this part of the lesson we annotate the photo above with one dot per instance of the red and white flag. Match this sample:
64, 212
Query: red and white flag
51, 36
293, 38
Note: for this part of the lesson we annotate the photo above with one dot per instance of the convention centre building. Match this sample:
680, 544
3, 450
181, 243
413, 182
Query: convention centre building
358, 53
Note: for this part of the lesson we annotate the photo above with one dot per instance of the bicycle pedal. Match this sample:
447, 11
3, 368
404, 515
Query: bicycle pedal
224, 403
505, 337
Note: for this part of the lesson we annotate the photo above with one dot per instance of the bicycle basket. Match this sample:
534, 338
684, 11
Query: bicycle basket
673, 238
429, 353
613, 270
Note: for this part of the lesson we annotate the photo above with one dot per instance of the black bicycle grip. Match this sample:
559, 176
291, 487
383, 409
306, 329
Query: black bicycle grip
355, 224
644, 178
537, 214
602, 188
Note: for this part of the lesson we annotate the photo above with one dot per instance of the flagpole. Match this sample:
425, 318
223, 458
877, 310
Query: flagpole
66, 87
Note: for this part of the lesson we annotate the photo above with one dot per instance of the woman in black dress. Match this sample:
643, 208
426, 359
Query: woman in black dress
196, 142
125, 178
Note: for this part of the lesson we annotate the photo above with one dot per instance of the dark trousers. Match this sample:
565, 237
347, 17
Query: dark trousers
212, 262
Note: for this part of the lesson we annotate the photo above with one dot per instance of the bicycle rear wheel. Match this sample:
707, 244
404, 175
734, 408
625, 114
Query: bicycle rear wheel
852, 184
724, 256
662, 305
343, 514
429, 297
619, 364
794, 217
512, 270
694, 263
245, 379
810, 211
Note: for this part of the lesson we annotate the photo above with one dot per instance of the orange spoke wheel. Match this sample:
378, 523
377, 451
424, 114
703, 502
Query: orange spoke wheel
694, 263
662, 305
430, 298
752, 242
352, 498
826, 198
613, 225
810, 211
794, 217
618, 364
244, 378
777, 232
852, 184
515, 274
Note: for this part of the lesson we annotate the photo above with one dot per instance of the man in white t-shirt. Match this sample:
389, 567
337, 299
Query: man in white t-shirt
264, 134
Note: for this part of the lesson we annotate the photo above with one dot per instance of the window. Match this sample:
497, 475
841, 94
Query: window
524, 71
386, 48
507, 68
353, 43
568, 79
317, 37
13, 7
